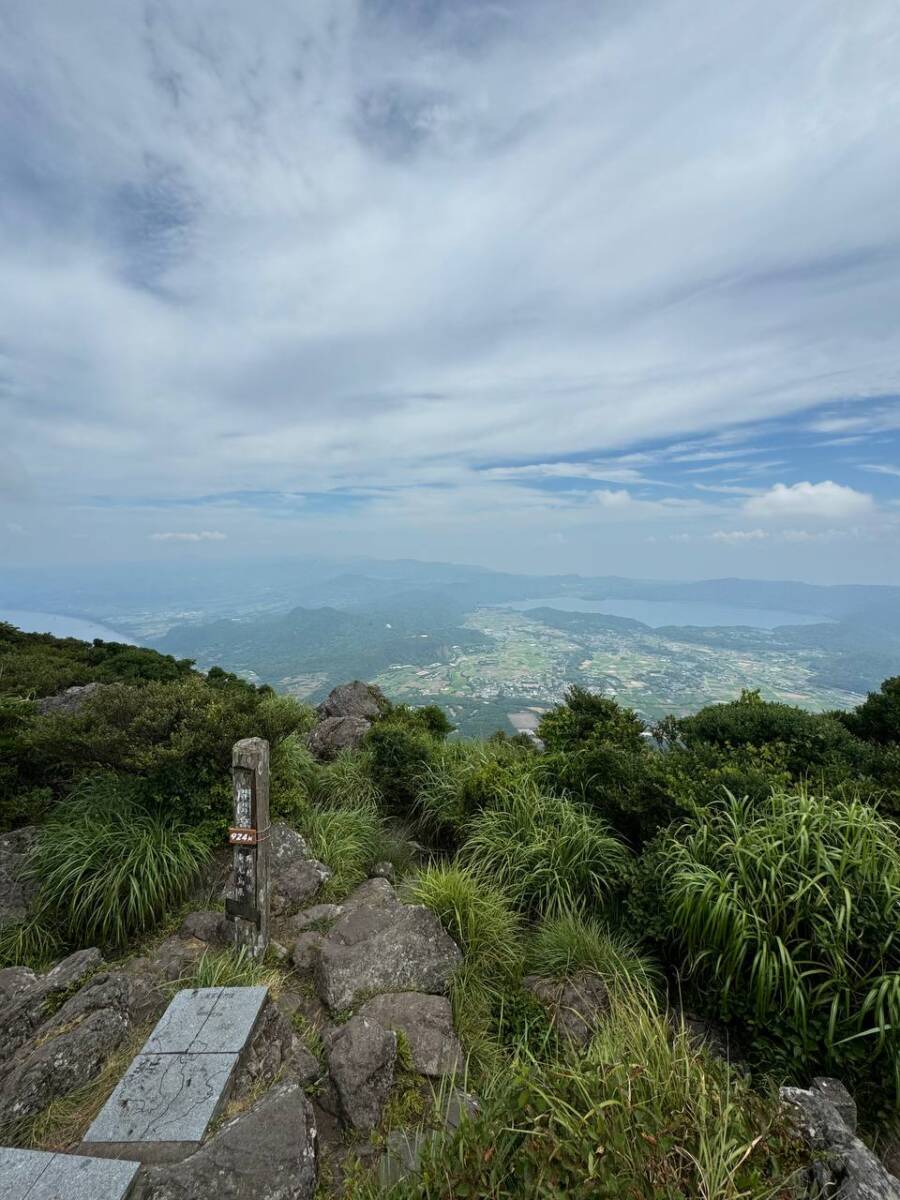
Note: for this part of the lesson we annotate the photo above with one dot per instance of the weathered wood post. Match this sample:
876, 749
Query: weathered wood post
248, 905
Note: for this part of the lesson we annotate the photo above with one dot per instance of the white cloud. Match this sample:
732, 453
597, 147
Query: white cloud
204, 535
881, 469
739, 536
821, 501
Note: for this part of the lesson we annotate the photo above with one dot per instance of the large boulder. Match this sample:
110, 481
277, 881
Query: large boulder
16, 888
69, 702
26, 998
270, 1050
361, 1057
574, 1005
334, 734
388, 947
356, 699
295, 877
268, 1152
427, 1023
842, 1164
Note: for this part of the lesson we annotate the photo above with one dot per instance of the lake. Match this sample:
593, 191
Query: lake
60, 626
656, 613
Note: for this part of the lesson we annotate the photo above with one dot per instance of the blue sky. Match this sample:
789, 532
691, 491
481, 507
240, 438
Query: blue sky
544, 286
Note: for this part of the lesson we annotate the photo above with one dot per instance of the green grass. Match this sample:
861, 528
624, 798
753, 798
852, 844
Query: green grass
30, 943
548, 852
572, 942
789, 912
347, 839
230, 968
109, 867
347, 780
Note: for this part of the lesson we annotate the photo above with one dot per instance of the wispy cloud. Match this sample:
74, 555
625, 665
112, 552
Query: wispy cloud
203, 535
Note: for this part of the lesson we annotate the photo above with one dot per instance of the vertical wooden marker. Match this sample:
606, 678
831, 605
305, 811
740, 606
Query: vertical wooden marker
248, 905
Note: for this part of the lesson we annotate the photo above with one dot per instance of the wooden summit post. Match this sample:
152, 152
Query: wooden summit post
248, 905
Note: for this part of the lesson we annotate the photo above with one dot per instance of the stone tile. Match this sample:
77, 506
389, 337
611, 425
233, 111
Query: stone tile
164, 1098
19, 1170
228, 1027
71, 1177
182, 1021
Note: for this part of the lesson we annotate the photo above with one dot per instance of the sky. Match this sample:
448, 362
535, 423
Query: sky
543, 285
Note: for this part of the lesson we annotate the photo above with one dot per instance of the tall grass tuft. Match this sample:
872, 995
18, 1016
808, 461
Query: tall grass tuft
30, 943
548, 852
477, 915
790, 911
347, 839
109, 866
347, 780
229, 968
572, 942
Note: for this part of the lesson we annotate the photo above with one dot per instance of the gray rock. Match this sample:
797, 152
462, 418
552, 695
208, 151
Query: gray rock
271, 1048
373, 893
427, 1022
268, 1153
295, 877
303, 1065
176, 957
16, 888
575, 1005
356, 699
15, 982
318, 917
837, 1095
461, 1106
361, 1057
384, 870
28, 997
384, 949
305, 955
335, 734
69, 702
214, 928
851, 1165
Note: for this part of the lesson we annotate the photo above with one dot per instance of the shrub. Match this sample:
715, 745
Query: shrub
547, 851
478, 916
109, 865
572, 942
346, 839
877, 719
790, 912
399, 757
585, 716
295, 777
463, 778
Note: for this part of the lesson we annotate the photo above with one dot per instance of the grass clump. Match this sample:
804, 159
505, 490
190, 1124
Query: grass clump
110, 866
572, 942
790, 913
548, 852
30, 943
347, 781
230, 968
347, 839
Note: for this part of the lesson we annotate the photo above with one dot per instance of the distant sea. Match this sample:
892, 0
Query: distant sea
656, 613
59, 626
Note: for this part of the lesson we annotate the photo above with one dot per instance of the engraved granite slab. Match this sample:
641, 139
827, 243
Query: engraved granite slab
182, 1021
231, 1022
43, 1175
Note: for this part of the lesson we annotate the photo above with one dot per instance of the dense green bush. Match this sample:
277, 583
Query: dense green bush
790, 913
399, 756
878, 718
585, 716
545, 850
110, 864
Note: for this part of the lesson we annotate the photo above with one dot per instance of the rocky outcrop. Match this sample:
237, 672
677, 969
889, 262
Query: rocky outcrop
574, 1005
27, 999
295, 876
383, 947
844, 1166
69, 702
268, 1152
345, 717
16, 888
356, 699
426, 1022
361, 1057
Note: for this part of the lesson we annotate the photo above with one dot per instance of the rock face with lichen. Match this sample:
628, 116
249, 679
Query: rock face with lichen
345, 717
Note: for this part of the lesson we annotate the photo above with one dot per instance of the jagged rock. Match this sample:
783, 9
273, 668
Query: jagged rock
575, 1005
305, 955
361, 1057
384, 870
848, 1170
334, 734
374, 893
30, 996
356, 699
427, 1022
270, 1048
268, 1152
295, 877
214, 928
176, 956
838, 1096
387, 948
315, 917
16, 888
303, 1064
69, 702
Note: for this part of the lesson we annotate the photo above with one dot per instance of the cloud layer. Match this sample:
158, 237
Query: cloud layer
450, 278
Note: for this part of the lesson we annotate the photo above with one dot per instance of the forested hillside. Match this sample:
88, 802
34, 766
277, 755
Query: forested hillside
737, 869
